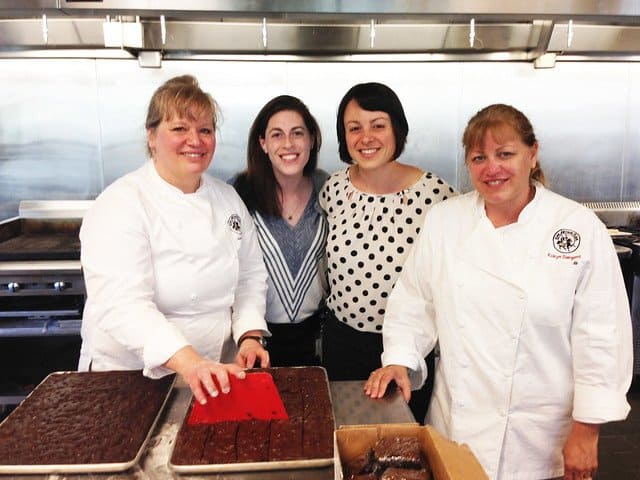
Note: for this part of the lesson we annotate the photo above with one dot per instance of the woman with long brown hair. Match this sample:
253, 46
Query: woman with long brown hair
280, 188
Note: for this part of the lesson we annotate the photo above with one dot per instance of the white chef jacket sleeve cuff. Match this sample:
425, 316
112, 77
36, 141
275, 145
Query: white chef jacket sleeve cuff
163, 343
157, 372
416, 365
249, 321
599, 404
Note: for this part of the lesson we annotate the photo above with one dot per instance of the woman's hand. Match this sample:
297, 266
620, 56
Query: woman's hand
379, 379
251, 350
581, 451
204, 376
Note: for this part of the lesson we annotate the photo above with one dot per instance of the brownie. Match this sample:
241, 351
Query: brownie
252, 441
285, 441
83, 418
401, 452
317, 437
220, 444
293, 404
189, 448
394, 473
362, 467
287, 380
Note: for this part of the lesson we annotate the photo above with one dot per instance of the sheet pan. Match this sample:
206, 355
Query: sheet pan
252, 466
81, 467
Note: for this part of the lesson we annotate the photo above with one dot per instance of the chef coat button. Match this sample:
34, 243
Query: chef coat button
194, 297
503, 412
460, 403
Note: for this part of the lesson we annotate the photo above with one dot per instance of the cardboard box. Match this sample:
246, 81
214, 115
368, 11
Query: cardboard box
448, 460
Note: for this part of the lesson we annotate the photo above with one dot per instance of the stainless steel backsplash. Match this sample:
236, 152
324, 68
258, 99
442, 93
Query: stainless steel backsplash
68, 128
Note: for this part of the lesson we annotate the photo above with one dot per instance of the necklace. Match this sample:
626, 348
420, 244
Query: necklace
299, 201
294, 213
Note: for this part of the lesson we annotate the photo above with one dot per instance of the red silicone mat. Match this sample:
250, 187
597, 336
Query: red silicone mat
254, 397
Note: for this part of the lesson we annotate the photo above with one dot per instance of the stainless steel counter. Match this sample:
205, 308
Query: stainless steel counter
350, 407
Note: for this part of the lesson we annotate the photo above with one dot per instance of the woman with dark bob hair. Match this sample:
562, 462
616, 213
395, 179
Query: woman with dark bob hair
375, 208
280, 188
522, 289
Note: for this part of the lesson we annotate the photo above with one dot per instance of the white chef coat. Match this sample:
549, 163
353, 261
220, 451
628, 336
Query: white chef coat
164, 269
533, 325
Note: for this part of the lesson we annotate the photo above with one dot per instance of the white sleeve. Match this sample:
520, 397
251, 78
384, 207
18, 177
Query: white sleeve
116, 262
409, 328
601, 337
250, 300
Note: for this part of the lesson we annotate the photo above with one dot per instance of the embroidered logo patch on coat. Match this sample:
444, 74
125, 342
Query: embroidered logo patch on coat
235, 223
566, 241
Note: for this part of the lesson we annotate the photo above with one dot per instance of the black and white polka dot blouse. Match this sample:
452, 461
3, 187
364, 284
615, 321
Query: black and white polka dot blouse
369, 238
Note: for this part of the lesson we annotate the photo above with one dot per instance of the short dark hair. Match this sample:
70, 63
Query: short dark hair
257, 185
373, 97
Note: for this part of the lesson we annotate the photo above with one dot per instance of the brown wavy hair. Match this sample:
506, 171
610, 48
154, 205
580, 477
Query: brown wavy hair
495, 118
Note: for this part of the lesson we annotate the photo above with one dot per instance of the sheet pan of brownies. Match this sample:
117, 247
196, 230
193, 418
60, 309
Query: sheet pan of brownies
83, 422
304, 440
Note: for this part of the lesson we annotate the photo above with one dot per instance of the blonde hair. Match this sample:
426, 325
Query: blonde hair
179, 97
496, 118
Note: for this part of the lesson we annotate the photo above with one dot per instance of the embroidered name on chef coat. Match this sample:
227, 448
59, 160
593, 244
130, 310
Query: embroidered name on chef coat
566, 242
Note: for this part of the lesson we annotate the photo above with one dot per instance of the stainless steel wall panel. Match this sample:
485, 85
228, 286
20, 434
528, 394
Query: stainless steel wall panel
631, 172
578, 112
49, 141
68, 128
123, 92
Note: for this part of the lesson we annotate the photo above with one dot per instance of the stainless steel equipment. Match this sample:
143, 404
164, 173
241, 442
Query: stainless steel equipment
525, 31
42, 294
623, 219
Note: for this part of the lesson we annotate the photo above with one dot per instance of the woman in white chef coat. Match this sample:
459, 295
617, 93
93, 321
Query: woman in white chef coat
173, 270
523, 290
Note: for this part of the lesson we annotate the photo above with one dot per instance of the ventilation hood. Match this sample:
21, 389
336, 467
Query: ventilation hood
423, 30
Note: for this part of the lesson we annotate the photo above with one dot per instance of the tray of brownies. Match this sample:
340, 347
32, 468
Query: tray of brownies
83, 422
302, 438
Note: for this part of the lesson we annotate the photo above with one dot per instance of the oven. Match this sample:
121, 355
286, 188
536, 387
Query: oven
42, 295
623, 222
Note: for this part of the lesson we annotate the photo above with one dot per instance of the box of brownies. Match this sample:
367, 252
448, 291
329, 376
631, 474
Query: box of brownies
407, 451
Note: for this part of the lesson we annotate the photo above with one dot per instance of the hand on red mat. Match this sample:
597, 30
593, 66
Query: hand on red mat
204, 376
